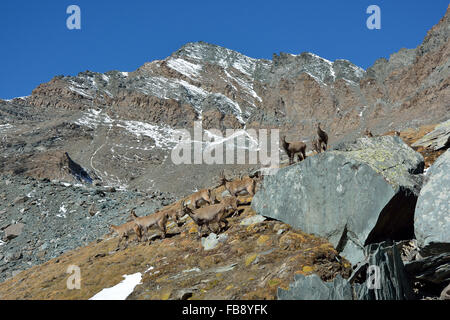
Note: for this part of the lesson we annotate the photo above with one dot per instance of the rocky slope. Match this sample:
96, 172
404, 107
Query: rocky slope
263, 254
81, 151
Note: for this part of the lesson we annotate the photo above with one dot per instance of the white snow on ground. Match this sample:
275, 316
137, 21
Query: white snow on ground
235, 108
320, 58
162, 135
105, 77
62, 212
93, 118
248, 87
80, 92
165, 88
189, 69
125, 74
5, 127
253, 144
359, 72
22, 98
121, 290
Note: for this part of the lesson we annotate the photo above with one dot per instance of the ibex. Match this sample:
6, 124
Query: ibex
368, 133
323, 138
158, 219
201, 195
397, 133
292, 148
175, 212
125, 230
235, 187
210, 214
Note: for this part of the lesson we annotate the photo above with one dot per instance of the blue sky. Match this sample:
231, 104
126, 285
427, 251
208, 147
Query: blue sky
36, 45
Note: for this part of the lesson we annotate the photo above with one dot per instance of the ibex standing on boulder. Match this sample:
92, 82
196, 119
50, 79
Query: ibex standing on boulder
235, 187
292, 148
323, 138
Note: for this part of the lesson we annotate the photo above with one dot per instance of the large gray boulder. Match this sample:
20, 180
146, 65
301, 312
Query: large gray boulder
432, 217
360, 193
313, 288
436, 139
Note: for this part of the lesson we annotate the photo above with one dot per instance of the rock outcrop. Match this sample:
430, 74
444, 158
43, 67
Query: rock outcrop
360, 193
381, 276
431, 220
438, 139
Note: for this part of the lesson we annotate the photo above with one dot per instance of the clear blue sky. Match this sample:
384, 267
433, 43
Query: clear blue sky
36, 45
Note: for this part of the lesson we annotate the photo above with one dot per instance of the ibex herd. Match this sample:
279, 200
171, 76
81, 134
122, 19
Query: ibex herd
213, 212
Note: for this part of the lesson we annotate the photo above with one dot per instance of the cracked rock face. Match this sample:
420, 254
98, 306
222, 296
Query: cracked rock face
431, 221
362, 193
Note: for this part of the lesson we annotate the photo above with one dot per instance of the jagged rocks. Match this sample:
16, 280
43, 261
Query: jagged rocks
431, 221
384, 275
437, 139
433, 269
388, 281
361, 193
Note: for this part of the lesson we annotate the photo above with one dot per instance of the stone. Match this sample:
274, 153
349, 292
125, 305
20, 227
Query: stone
13, 231
389, 275
434, 269
390, 281
445, 294
252, 220
213, 240
13, 256
360, 193
21, 199
311, 287
431, 219
436, 139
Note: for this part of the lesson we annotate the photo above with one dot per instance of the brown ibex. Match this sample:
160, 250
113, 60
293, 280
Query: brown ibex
125, 230
195, 199
158, 219
237, 186
292, 148
323, 138
210, 214
368, 133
